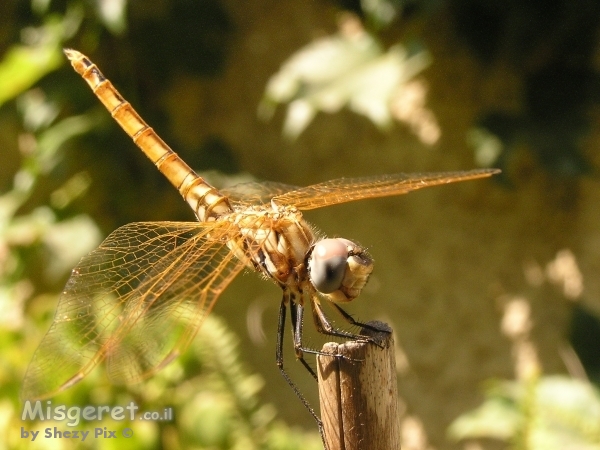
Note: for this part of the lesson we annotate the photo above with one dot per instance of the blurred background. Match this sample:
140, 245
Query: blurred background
491, 286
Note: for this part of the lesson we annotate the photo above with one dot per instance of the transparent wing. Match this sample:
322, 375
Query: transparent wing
136, 301
350, 189
256, 193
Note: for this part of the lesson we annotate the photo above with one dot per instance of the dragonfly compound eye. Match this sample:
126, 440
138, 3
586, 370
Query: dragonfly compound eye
328, 265
339, 268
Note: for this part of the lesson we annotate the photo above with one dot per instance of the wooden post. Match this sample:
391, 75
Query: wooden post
358, 393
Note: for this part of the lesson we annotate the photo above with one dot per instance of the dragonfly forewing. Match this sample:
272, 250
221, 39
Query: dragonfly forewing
256, 193
136, 301
344, 190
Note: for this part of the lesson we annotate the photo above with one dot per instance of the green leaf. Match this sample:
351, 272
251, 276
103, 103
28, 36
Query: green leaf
495, 418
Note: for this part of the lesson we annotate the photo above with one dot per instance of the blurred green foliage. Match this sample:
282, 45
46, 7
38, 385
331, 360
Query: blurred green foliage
550, 412
351, 69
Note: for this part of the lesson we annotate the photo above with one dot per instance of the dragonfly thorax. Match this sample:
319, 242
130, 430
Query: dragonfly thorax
280, 244
275, 243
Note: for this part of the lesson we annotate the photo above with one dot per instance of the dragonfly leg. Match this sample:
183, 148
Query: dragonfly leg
352, 321
297, 316
279, 360
325, 326
297, 313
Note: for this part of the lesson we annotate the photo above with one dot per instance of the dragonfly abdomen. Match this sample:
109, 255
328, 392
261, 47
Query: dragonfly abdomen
204, 199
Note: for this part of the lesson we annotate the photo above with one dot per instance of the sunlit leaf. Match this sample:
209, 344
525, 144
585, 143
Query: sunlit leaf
347, 69
381, 12
554, 412
495, 418
112, 14
37, 111
67, 241
486, 146
320, 63
75, 187
51, 140
24, 65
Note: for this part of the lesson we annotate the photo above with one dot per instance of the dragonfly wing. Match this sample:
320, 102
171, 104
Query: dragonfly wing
345, 190
256, 192
137, 301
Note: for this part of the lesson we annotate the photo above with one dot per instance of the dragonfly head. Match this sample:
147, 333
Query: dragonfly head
339, 269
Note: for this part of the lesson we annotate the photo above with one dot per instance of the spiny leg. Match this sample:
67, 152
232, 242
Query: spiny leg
352, 321
324, 325
297, 314
279, 361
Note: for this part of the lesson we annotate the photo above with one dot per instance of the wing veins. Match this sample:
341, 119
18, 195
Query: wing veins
344, 190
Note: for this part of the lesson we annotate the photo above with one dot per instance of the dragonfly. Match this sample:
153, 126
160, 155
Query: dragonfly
137, 301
